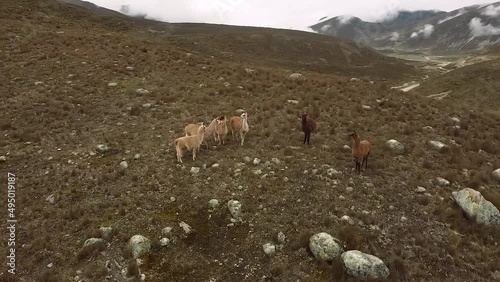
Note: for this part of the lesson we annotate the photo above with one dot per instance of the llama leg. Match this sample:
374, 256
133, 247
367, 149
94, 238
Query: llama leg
194, 153
305, 138
308, 137
179, 155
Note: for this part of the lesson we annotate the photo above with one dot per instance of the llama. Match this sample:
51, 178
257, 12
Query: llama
308, 126
360, 151
192, 142
220, 129
240, 125
192, 129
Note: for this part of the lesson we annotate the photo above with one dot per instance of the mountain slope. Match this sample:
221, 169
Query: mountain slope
468, 28
73, 80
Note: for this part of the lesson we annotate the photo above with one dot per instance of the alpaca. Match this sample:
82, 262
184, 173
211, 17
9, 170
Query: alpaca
360, 151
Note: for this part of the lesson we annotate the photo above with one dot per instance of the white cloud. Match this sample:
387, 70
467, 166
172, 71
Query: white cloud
491, 11
344, 19
478, 29
326, 27
394, 36
276, 13
459, 13
426, 31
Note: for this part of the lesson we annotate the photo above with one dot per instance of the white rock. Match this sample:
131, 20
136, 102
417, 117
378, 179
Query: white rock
215, 165
106, 232
256, 161
269, 249
102, 148
364, 266
455, 120
354, 79
112, 84
496, 175
395, 146
442, 182
437, 145
146, 105
404, 219
137, 156
92, 242
195, 170
235, 209
324, 247
164, 242
142, 91
366, 107
281, 238
294, 102
332, 172
51, 199
296, 76
347, 219
187, 229
257, 172
130, 68
123, 165
3, 158
476, 207
139, 245
421, 190
213, 203
349, 189
250, 71
346, 148
247, 159
166, 231
276, 161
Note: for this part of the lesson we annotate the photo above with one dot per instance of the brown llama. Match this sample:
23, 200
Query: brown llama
360, 151
308, 126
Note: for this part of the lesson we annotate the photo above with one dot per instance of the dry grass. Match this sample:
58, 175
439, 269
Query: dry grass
73, 118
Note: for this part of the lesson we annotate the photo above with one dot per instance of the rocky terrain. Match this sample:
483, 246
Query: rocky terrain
92, 102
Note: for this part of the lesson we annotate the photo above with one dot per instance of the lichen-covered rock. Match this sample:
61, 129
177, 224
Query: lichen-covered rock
139, 245
395, 146
364, 266
476, 207
324, 247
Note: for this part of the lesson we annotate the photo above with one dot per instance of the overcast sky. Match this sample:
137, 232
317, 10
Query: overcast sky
276, 13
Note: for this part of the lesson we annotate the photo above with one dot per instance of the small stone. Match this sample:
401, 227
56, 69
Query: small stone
195, 170
102, 148
93, 242
166, 231
347, 219
247, 159
281, 238
442, 182
324, 247
187, 229
421, 190
257, 172
142, 91
51, 199
455, 120
276, 161
235, 209
146, 105
269, 249
366, 107
50, 265
256, 161
404, 219
285, 179
349, 189
129, 68
3, 158
137, 156
172, 199
346, 148
213, 203
112, 84
364, 266
341, 197
215, 165
106, 233
395, 146
164, 242
123, 165
496, 175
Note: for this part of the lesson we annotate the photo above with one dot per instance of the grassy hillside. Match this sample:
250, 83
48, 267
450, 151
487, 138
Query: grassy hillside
58, 105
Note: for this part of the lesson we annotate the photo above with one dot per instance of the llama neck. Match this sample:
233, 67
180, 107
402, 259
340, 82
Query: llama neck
356, 142
200, 135
245, 124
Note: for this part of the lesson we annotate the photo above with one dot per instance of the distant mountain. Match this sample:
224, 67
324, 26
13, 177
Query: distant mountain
468, 28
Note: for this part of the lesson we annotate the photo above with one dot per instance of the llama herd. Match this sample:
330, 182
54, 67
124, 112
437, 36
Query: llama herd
196, 134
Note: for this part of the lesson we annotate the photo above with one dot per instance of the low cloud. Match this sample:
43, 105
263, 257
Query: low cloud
491, 11
394, 36
478, 29
325, 28
345, 19
426, 32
